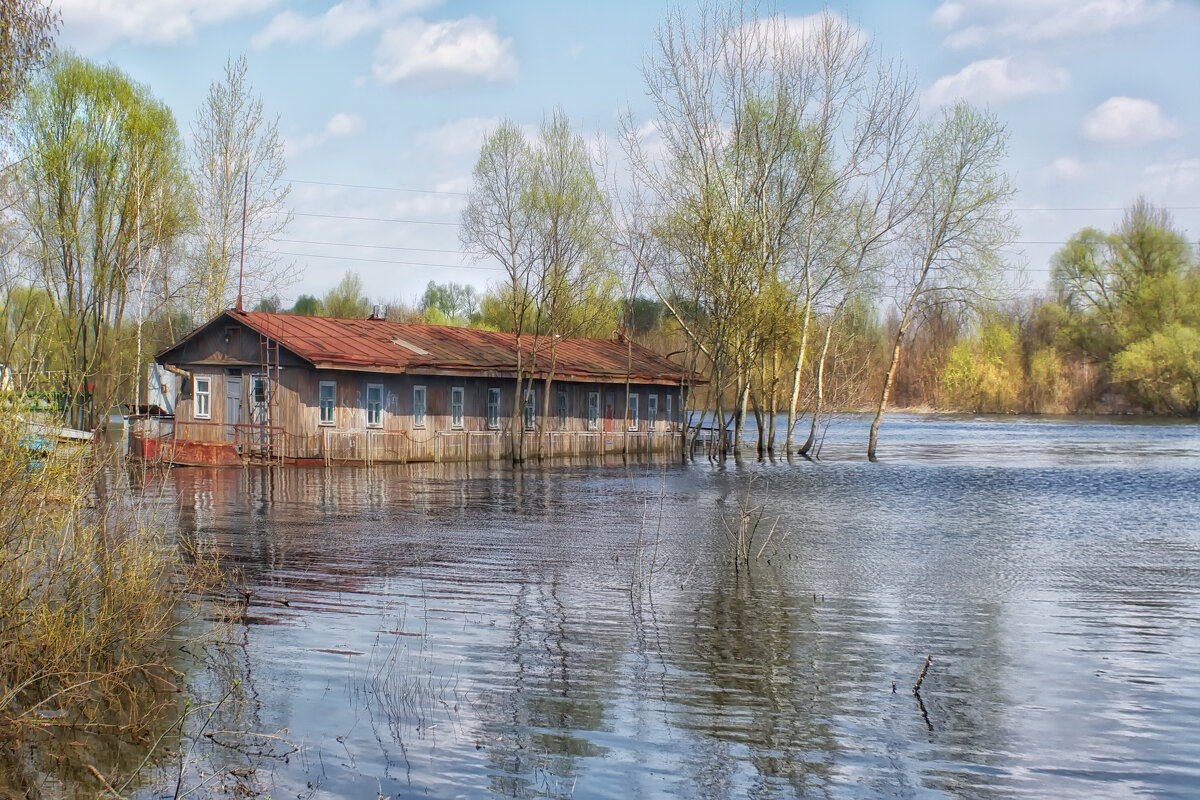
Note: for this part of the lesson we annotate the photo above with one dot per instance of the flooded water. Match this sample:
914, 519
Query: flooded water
584, 631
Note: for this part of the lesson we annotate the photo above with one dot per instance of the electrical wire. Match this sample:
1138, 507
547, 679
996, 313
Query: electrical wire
377, 188
373, 246
387, 261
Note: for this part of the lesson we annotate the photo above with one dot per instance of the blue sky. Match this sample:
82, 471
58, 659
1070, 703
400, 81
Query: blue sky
1100, 98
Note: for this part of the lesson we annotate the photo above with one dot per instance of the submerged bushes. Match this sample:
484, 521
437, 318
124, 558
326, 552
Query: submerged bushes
89, 592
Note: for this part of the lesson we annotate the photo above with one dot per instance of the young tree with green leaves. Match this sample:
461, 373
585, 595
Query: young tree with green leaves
950, 253
346, 300
98, 153
497, 225
1133, 303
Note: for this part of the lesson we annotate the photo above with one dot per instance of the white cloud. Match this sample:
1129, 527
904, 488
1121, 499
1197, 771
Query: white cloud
341, 23
94, 25
976, 22
1164, 180
1065, 169
339, 126
443, 53
996, 80
458, 138
1128, 119
948, 14
801, 32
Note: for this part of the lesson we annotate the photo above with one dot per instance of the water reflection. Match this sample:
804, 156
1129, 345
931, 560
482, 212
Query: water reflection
580, 631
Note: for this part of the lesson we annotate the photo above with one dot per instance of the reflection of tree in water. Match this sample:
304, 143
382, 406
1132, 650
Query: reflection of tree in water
751, 687
562, 670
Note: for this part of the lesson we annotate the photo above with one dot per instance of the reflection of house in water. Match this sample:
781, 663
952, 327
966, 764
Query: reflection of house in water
282, 387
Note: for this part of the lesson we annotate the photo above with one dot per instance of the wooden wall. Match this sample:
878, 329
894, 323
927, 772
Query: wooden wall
234, 350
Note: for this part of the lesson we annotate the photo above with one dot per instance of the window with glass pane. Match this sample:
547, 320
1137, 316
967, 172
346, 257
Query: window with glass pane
651, 412
456, 407
670, 419
203, 398
326, 401
374, 405
493, 411
530, 408
562, 410
633, 412
418, 406
593, 410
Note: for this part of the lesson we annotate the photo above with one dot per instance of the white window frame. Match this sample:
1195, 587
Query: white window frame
593, 411
530, 408
652, 412
669, 418
331, 419
206, 394
631, 411
458, 399
259, 386
564, 408
493, 410
420, 406
376, 406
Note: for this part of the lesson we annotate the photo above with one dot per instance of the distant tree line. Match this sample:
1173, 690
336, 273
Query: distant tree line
789, 226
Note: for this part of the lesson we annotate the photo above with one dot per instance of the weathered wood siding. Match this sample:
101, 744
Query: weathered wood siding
298, 434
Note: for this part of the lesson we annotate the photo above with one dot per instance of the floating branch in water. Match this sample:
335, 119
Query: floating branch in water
921, 677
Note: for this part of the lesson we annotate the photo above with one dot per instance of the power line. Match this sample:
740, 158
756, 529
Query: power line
378, 188
386, 261
1113, 208
368, 219
372, 246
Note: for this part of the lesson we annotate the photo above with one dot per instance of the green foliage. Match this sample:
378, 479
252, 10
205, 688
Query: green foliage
450, 304
984, 373
1162, 371
1046, 387
28, 38
346, 300
308, 306
1132, 303
102, 195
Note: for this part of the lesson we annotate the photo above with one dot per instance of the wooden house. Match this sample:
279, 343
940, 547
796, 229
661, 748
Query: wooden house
282, 387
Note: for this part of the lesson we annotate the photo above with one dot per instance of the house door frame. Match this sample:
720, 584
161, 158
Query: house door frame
233, 406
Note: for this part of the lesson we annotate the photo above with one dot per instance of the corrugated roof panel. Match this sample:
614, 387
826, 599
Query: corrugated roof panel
351, 343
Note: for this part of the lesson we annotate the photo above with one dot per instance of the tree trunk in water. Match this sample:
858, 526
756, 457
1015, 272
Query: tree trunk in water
739, 414
517, 434
873, 439
791, 418
812, 431
543, 423
773, 400
758, 421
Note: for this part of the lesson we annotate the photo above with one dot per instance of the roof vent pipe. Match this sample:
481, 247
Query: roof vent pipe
378, 311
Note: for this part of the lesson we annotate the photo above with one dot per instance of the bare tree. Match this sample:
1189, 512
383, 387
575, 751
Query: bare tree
237, 162
950, 253
774, 145
496, 224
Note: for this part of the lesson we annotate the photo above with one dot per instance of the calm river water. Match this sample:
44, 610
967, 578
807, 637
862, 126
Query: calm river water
581, 631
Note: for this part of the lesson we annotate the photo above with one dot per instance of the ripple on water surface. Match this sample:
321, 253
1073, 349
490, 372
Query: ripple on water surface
581, 631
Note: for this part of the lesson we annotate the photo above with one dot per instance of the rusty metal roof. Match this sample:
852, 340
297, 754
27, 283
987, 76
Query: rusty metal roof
379, 345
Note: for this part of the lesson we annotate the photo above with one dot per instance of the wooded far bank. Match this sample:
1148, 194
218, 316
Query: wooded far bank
789, 223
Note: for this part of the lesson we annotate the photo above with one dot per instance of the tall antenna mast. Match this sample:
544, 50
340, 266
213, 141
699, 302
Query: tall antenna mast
242, 258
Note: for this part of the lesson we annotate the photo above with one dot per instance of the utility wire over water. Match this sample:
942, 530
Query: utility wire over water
583, 630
